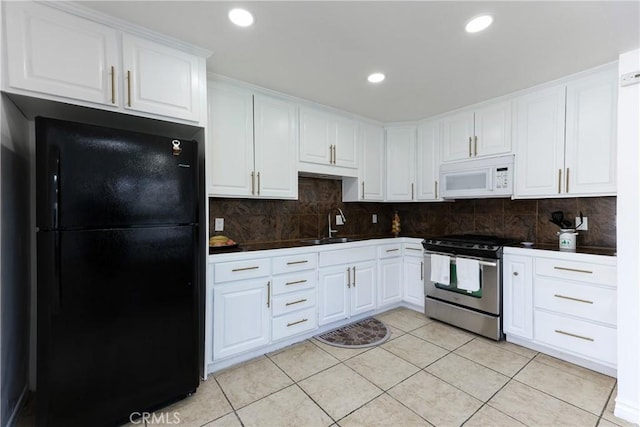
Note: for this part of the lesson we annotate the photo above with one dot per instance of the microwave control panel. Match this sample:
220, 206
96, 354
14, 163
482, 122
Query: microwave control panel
502, 177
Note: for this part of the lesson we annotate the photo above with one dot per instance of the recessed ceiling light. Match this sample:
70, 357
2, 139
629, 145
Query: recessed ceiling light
376, 77
479, 23
241, 17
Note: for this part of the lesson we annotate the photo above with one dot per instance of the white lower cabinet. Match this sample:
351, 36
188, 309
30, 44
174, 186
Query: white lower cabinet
563, 302
294, 295
347, 283
413, 275
346, 290
517, 294
241, 317
390, 265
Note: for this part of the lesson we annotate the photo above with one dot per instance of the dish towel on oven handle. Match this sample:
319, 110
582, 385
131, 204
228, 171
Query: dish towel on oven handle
468, 274
440, 269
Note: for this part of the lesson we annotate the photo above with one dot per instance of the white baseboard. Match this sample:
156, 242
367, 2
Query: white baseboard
627, 410
16, 410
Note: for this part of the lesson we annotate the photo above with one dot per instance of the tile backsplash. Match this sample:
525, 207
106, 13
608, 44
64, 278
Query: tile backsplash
253, 221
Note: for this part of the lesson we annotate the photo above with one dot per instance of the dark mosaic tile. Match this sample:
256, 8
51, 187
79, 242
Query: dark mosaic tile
489, 224
462, 206
597, 206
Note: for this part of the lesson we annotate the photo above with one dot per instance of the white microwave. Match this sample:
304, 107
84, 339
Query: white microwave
467, 179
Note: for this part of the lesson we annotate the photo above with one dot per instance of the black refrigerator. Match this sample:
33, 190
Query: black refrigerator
117, 276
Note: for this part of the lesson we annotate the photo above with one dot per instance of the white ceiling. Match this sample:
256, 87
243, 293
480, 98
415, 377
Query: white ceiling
324, 50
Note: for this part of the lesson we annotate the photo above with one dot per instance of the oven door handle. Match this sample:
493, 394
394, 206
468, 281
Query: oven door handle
453, 257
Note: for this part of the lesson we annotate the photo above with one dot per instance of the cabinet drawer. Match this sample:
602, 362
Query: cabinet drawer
573, 270
294, 282
239, 270
412, 249
577, 336
347, 256
290, 263
576, 299
294, 323
288, 303
390, 251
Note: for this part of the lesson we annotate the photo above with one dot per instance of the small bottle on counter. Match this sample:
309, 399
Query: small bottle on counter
395, 224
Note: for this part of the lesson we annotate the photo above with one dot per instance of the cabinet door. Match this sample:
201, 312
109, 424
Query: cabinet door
373, 162
363, 287
428, 160
401, 148
591, 135
413, 281
315, 136
333, 294
457, 129
518, 296
390, 289
240, 317
56, 53
539, 142
159, 79
346, 142
492, 127
230, 162
276, 148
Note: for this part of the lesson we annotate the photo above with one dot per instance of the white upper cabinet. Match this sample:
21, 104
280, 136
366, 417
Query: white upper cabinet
566, 139
591, 135
328, 140
275, 147
369, 186
53, 52
401, 163
230, 145
428, 161
159, 79
539, 135
253, 144
484, 131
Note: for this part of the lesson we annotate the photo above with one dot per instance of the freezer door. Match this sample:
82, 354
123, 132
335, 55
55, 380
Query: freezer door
118, 326
95, 177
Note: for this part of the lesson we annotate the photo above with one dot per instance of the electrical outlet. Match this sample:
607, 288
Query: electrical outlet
339, 220
374, 218
218, 224
585, 224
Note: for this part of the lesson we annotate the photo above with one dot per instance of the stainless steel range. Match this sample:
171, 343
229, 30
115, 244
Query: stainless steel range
463, 282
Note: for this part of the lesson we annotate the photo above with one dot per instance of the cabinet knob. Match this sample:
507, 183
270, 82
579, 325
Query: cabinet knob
515, 273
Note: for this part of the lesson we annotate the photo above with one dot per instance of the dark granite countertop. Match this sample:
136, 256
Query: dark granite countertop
592, 250
298, 243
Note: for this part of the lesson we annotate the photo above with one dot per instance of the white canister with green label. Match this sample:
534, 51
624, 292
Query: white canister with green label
567, 239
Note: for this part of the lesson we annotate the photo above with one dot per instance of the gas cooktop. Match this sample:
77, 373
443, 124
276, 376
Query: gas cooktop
468, 244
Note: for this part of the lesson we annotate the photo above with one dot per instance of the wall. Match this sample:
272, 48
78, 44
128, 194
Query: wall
249, 221
628, 398
15, 258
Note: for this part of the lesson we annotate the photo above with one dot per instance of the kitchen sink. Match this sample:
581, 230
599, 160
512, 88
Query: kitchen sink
327, 240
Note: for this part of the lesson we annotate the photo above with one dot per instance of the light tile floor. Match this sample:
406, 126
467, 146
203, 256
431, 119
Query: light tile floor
428, 373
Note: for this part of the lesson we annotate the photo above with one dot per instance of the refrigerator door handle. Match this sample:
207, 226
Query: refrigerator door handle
54, 174
56, 285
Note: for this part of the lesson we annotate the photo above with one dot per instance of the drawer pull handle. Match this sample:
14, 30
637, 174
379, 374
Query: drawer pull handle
296, 302
574, 335
235, 270
573, 299
414, 249
574, 270
295, 323
297, 282
393, 250
298, 262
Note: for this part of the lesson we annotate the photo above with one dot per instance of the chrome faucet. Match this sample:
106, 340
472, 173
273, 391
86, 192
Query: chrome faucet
331, 231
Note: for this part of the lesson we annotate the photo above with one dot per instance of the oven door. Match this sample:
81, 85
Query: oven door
486, 299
